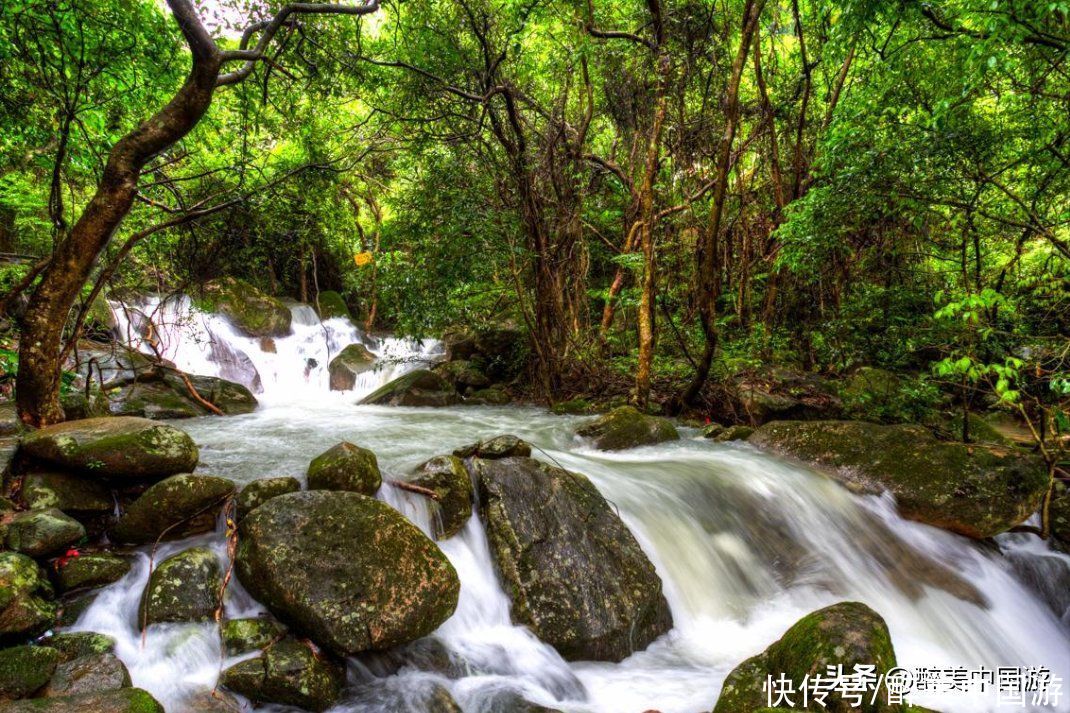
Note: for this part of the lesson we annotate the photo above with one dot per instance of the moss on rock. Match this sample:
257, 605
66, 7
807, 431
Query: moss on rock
42, 533
126, 700
972, 490
176, 507
626, 427
25, 606
25, 669
253, 313
348, 571
350, 363
244, 635
504, 446
288, 673
75, 644
330, 305
94, 569
74, 495
92, 673
345, 466
448, 479
114, 447
260, 491
184, 587
419, 387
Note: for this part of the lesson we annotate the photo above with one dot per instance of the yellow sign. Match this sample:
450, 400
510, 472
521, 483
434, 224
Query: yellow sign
362, 259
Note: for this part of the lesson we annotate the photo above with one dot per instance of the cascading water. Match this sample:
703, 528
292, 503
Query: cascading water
745, 545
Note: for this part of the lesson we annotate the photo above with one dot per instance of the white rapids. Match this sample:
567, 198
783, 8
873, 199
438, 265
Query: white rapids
745, 544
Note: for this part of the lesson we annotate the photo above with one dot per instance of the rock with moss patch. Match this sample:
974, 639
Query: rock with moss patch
26, 608
42, 533
244, 635
846, 634
576, 574
739, 432
114, 447
25, 669
82, 498
184, 587
75, 644
417, 388
626, 427
330, 305
503, 446
166, 395
254, 313
463, 375
260, 491
176, 507
345, 466
89, 570
350, 363
289, 673
972, 490
448, 479
348, 571
492, 396
126, 700
92, 673
573, 407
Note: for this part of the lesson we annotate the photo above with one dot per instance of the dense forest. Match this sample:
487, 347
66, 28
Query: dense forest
729, 213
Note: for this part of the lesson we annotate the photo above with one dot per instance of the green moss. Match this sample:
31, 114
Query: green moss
345, 467
126, 700
243, 635
90, 570
184, 587
419, 387
260, 491
69, 493
626, 427
72, 645
575, 407
288, 673
252, 312
41, 533
330, 305
176, 507
24, 669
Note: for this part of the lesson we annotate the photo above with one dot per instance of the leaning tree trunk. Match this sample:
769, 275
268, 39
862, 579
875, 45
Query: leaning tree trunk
40, 347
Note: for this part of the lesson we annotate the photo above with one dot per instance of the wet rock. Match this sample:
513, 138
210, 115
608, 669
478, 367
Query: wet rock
439, 700
351, 362
330, 305
777, 393
71, 609
417, 388
345, 467
184, 587
463, 375
289, 673
626, 427
738, 432
252, 312
349, 571
575, 573
448, 479
93, 673
573, 407
25, 669
79, 497
493, 396
260, 491
846, 634
41, 533
972, 490
25, 606
75, 644
243, 635
114, 447
504, 446
126, 700
89, 570
176, 507
211, 701
165, 395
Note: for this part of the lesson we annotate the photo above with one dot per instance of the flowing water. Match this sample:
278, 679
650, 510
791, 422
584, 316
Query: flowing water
745, 544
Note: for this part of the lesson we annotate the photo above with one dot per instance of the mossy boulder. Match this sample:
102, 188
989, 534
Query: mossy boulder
770, 394
575, 573
184, 587
503, 446
350, 363
82, 498
89, 570
126, 700
244, 635
176, 507
972, 490
252, 312
260, 491
331, 305
165, 395
348, 571
627, 427
491, 396
114, 447
463, 375
573, 407
847, 634
448, 479
42, 533
419, 387
345, 466
738, 432
25, 669
26, 608
289, 673
92, 673
75, 644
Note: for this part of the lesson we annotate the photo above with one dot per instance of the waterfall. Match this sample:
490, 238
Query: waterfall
745, 544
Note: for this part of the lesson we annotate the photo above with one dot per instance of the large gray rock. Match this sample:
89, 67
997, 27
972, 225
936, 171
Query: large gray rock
345, 467
184, 587
166, 395
576, 574
348, 571
289, 673
417, 388
114, 447
350, 363
26, 608
176, 507
626, 427
243, 635
973, 490
93, 673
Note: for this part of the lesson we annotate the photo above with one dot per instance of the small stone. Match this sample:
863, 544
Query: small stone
345, 467
504, 446
243, 635
350, 363
734, 433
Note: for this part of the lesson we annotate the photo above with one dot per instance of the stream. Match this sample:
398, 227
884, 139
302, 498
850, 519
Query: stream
745, 544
